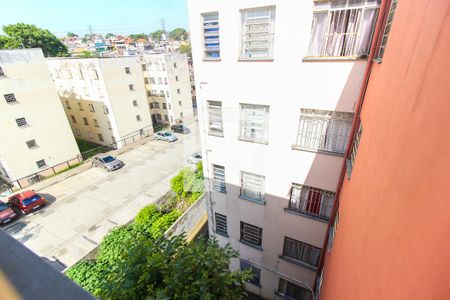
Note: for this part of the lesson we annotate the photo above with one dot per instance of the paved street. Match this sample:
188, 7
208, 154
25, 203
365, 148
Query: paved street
86, 206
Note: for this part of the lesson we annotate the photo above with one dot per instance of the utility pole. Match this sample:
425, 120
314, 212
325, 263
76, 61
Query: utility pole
91, 32
163, 27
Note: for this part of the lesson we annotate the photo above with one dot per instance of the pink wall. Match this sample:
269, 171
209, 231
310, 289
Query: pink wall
393, 237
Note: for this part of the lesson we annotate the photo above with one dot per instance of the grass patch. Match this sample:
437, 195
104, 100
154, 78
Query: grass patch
89, 149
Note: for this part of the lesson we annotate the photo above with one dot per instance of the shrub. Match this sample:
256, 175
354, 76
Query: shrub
147, 215
87, 274
163, 223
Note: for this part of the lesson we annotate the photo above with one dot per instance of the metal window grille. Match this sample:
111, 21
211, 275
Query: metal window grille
221, 224
152, 80
161, 93
211, 36
343, 27
166, 118
387, 29
80, 106
332, 232
135, 103
252, 186
95, 75
127, 70
146, 81
215, 117
300, 251
21, 122
159, 80
144, 67
105, 109
256, 272
41, 163
100, 137
178, 91
73, 119
91, 108
251, 234
1, 72
156, 105
355, 145
158, 116
131, 87
151, 105
292, 291
257, 32
138, 118
10, 98
96, 123
218, 182
31, 144
324, 130
311, 201
85, 121
68, 105
81, 74
254, 122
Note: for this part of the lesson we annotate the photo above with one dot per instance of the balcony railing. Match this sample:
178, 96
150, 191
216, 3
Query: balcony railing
311, 201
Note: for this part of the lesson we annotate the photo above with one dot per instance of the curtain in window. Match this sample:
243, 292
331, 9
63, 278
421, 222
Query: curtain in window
313, 202
342, 34
319, 27
367, 26
254, 122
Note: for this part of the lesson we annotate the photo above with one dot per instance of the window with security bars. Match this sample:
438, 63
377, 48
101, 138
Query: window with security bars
387, 29
252, 187
41, 163
31, 144
218, 179
221, 224
323, 130
85, 121
311, 201
301, 252
21, 122
211, 43
257, 32
251, 234
354, 149
291, 291
10, 98
215, 118
332, 232
343, 28
100, 137
255, 272
254, 122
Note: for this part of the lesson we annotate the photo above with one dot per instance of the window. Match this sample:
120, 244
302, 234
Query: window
161, 93
85, 121
31, 144
256, 272
174, 65
95, 74
86, 91
354, 150
138, 118
170, 106
164, 105
10, 98
144, 67
166, 118
105, 109
289, 290
181, 115
163, 67
251, 235
218, 179
156, 105
69, 74
90, 135
322, 130
146, 80
311, 201
41, 163
215, 118
77, 132
127, 70
179, 103
96, 123
151, 105
167, 93
81, 74
113, 139
152, 80
301, 252
131, 87
68, 105
165, 80
387, 29
73, 119
176, 78
158, 116
211, 43
80, 106
109, 125
332, 232
21, 122
91, 108
1, 72
343, 27
257, 32
254, 122
221, 224
178, 91
159, 80
252, 187
100, 137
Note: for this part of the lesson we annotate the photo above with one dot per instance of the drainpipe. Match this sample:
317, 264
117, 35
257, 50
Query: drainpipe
375, 42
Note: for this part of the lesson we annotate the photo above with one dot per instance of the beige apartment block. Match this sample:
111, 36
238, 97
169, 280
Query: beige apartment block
104, 98
34, 132
167, 83
277, 86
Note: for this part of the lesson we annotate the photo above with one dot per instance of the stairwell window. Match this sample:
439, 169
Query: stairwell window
311, 201
218, 179
343, 28
387, 30
251, 235
288, 290
211, 36
324, 131
31, 144
10, 98
252, 187
257, 33
215, 118
127, 70
21, 122
221, 224
301, 252
254, 123
41, 163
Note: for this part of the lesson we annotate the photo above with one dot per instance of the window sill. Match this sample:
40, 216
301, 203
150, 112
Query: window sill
251, 245
34, 148
267, 59
244, 139
298, 263
216, 134
24, 126
212, 59
299, 213
262, 202
333, 58
296, 147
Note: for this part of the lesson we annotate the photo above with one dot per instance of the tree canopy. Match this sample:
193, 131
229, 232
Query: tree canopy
179, 34
138, 36
186, 49
22, 35
71, 34
109, 35
157, 35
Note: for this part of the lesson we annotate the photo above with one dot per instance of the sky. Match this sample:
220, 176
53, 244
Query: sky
116, 16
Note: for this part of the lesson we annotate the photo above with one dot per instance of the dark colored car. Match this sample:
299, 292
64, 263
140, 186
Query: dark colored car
6, 213
27, 201
180, 128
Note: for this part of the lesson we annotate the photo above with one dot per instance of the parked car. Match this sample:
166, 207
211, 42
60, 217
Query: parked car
27, 201
108, 162
6, 213
165, 136
195, 158
180, 129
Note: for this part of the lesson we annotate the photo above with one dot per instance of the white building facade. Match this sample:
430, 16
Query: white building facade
34, 132
277, 84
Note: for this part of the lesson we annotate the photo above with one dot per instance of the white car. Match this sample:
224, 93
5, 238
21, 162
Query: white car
195, 158
165, 136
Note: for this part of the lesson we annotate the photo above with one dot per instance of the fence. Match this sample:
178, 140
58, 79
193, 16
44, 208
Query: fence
134, 137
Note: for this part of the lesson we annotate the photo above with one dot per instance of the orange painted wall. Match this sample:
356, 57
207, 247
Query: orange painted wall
393, 237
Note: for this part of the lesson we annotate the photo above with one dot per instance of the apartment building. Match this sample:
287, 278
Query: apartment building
390, 236
277, 83
167, 83
104, 98
34, 132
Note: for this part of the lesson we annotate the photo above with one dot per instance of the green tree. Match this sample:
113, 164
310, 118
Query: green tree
109, 35
22, 35
138, 36
186, 49
86, 54
179, 34
71, 34
157, 35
